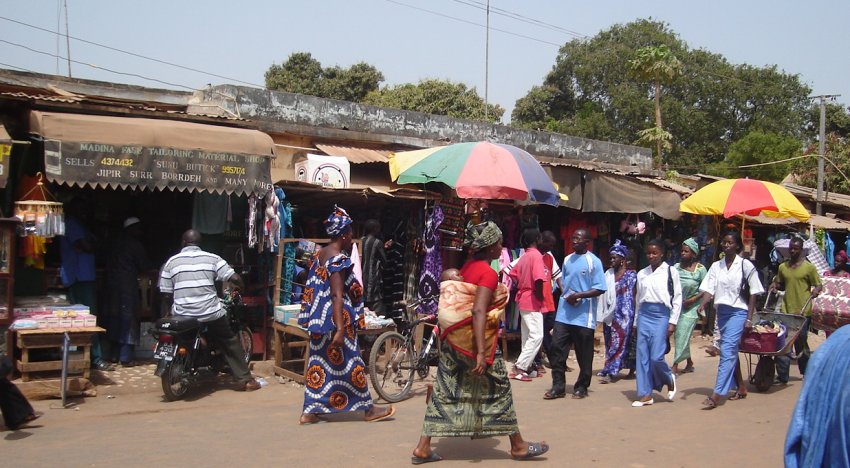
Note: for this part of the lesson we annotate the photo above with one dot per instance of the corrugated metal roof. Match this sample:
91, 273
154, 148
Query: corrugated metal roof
831, 198
354, 154
41, 97
824, 222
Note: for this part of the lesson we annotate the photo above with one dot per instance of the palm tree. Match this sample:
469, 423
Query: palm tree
656, 64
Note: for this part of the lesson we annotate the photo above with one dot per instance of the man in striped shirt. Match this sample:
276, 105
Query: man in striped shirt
189, 278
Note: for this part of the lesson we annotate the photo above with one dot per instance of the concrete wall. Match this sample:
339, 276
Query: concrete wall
286, 112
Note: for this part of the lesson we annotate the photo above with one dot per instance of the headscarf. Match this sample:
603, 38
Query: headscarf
619, 249
692, 244
842, 255
820, 424
489, 235
338, 223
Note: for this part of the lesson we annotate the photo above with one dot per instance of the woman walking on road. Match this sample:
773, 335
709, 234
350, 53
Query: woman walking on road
331, 310
618, 333
659, 299
472, 393
724, 283
691, 274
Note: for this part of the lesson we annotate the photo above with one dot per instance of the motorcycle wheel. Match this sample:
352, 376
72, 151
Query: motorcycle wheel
175, 381
391, 366
246, 340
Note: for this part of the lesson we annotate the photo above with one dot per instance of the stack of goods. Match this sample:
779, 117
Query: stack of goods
831, 309
73, 316
41, 218
765, 337
453, 225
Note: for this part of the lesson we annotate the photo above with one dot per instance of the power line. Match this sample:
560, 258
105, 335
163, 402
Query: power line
522, 18
98, 67
115, 49
461, 20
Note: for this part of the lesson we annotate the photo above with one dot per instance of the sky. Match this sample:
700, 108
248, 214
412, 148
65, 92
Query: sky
407, 40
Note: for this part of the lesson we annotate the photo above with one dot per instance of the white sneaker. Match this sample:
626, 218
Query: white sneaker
638, 403
672, 393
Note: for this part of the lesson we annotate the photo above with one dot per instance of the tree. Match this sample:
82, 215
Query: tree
438, 97
656, 64
708, 107
303, 74
758, 147
836, 166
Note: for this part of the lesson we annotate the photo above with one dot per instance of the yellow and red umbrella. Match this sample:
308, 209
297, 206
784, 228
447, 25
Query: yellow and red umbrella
730, 197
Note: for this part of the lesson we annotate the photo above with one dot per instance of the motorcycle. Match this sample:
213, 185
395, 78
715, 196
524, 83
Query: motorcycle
183, 352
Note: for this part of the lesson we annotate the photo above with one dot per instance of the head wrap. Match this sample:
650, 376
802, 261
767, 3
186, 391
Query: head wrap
619, 249
692, 244
338, 223
477, 240
842, 255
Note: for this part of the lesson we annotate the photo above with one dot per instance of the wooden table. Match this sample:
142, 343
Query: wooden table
291, 348
54, 338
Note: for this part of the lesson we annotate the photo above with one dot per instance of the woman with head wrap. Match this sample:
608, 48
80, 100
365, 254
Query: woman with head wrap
472, 393
691, 273
620, 296
840, 269
819, 433
332, 310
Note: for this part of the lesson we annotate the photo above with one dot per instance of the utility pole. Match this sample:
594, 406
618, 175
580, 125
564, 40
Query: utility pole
487, 64
67, 39
822, 148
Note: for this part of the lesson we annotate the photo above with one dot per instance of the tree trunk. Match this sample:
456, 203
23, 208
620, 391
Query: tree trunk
658, 159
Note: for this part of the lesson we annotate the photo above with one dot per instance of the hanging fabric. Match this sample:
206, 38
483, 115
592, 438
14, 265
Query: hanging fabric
428, 288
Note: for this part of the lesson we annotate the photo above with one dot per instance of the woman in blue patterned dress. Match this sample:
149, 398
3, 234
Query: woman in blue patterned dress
619, 334
332, 310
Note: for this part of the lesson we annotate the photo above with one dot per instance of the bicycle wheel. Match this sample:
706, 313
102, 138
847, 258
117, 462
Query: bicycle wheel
391, 366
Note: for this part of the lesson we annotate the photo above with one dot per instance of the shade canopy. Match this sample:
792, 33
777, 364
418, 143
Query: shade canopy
480, 170
730, 197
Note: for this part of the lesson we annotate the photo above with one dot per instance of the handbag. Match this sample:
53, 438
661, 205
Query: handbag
745, 282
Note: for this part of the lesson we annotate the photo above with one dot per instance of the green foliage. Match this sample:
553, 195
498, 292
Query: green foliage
709, 106
837, 150
655, 63
654, 136
438, 97
837, 120
758, 147
303, 74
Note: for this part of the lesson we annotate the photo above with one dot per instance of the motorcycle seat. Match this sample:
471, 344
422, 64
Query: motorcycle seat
177, 323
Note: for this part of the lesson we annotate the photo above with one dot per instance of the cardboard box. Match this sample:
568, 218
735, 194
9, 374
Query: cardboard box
283, 313
327, 171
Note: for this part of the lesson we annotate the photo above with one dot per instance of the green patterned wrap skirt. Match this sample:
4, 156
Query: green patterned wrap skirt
467, 405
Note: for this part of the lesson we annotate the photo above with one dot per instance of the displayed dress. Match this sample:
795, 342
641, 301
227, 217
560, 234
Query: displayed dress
619, 334
335, 378
689, 317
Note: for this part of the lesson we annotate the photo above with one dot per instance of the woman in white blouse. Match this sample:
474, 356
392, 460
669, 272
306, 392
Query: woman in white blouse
659, 302
723, 285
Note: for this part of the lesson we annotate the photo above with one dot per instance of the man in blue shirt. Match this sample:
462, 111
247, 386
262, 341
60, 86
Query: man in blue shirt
583, 279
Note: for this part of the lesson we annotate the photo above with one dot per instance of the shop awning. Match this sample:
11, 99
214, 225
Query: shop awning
5, 154
624, 194
105, 151
354, 154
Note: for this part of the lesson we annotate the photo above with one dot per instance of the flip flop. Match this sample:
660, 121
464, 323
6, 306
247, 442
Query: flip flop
688, 370
737, 396
709, 404
535, 449
432, 457
550, 395
521, 376
386, 415
310, 423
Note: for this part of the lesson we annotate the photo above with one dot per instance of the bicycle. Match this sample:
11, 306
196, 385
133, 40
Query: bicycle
394, 358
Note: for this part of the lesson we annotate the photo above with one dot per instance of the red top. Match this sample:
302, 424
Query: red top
548, 299
479, 273
528, 271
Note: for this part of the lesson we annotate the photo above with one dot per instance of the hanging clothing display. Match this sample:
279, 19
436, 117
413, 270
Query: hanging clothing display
432, 264
210, 212
453, 224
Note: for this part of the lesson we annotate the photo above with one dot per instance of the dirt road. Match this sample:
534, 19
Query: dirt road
224, 427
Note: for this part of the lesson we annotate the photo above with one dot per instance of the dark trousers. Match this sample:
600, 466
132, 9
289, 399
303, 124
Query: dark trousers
801, 348
85, 292
563, 338
220, 332
13, 403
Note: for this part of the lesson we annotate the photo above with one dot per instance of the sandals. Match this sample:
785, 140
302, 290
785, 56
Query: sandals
709, 404
641, 403
521, 376
535, 449
551, 395
390, 412
688, 370
432, 457
102, 365
738, 396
